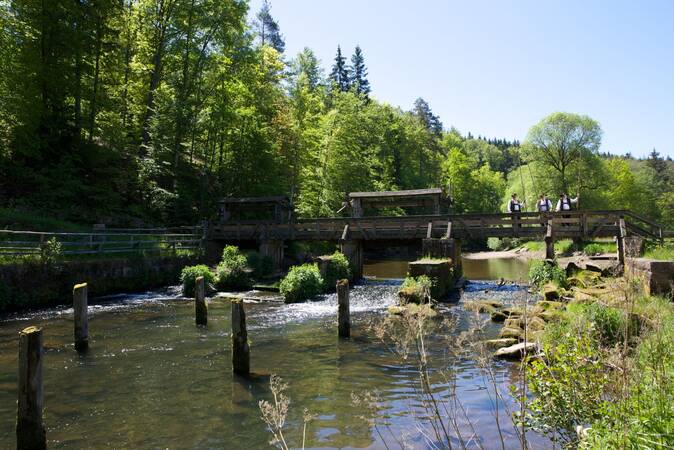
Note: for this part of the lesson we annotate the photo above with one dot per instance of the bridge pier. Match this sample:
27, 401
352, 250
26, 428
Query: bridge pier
353, 250
443, 248
273, 248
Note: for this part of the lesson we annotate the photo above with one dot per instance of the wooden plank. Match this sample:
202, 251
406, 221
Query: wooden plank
429, 230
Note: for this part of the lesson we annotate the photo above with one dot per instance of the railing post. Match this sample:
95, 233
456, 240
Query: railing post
80, 316
30, 431
620, 239
343, 313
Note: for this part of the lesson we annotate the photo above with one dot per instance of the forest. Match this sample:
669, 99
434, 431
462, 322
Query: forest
146, 112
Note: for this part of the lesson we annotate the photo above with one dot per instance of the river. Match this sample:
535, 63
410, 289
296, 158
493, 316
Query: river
152, 379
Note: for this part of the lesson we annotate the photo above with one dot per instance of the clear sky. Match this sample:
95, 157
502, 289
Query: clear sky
495, 68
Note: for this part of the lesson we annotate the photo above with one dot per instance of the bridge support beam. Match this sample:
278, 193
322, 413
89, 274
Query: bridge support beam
620, 240
273, 248
353, 250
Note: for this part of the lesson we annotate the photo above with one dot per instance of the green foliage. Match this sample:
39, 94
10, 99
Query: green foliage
594, 248
568, 386
232, 272
663, 252
50, 251
416, 289
498, 244
189, 275
261, 265
301, 283
337, 269
542, 272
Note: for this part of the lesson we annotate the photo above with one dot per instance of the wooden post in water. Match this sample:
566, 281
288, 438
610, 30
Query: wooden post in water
30, 431
343, 314
240, 349
200, 307
81, 318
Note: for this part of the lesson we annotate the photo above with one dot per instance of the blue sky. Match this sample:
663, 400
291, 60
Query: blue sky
495, 68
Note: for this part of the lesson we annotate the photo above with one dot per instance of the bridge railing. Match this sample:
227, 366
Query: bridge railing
111, 241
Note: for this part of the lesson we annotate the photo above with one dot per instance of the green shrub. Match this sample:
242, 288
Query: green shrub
416, 289
542, 272
301, 283
338, 268
261, 265
50, 251
663, 252
592, 249
189, 275
498, 244
232, 272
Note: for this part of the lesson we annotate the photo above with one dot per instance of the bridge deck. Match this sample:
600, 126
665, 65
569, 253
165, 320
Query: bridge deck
587, 224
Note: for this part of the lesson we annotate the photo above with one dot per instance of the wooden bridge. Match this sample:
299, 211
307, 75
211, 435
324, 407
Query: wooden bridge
445, 228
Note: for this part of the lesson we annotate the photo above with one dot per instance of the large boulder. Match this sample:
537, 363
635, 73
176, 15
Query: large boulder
482, 306
551, 292
511, 332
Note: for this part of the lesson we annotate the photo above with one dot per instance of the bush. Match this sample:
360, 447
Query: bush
50, 251
416, 289
232, 272
498, 244
543, 272
261, 265
189, 275
338, 268
301, 283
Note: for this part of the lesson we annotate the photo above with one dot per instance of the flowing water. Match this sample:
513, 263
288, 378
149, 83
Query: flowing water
152, 379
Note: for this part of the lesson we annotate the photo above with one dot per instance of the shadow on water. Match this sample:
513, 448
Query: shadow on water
152, 378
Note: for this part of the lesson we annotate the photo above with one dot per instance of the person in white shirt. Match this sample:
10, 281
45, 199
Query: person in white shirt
514, 205
544, 204
564, 202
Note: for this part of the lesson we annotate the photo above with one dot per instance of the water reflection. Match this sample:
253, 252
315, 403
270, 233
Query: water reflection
511, 269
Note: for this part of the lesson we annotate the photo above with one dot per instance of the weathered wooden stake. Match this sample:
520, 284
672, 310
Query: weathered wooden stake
200, 307
240, 349
622, 233
549, 242
81, 319
344, 317
30, 431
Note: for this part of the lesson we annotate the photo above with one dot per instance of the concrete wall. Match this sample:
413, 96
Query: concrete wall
656, 276
35, 285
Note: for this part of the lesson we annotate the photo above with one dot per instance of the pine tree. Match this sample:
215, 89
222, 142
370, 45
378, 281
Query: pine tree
422, 110
340, 75
268, 29
358, 73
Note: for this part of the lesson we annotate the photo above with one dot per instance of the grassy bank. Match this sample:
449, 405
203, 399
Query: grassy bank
606, 379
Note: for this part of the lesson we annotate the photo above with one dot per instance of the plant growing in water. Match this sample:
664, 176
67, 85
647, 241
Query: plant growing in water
233, 272
301, 283
542, 272
189, 275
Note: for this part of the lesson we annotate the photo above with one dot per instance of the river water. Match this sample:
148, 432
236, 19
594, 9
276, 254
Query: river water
152, 379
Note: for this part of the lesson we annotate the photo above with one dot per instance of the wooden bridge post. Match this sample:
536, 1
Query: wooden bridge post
81, 319
620, 239
240, 348
343, 314
200, 307
30, 431
353, 250
273, 248
549, 242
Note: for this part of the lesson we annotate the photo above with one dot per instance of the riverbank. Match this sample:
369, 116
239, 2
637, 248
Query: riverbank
34, 284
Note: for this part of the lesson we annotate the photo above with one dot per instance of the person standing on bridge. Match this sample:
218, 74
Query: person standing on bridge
544, 204
514, 205
564, 202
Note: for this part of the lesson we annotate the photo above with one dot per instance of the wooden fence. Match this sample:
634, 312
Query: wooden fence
101, 241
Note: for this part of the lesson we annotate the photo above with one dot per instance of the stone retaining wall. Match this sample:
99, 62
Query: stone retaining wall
656, 276
36, 285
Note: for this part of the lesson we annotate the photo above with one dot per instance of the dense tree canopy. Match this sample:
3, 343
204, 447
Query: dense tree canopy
149, 111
